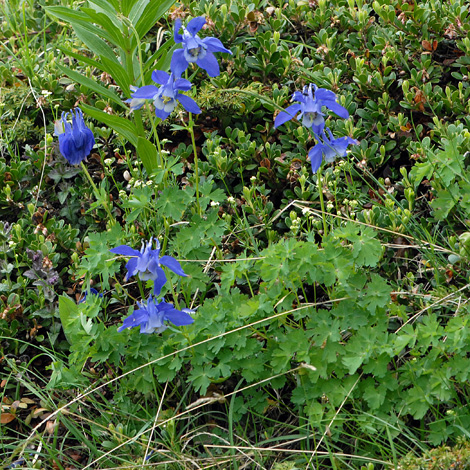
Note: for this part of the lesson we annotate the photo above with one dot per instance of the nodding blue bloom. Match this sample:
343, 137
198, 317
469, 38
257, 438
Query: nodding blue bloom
329, 149
196, 49
135, 103
165, 97
311, 100
75, 140
91, 291
147, 263
150, 317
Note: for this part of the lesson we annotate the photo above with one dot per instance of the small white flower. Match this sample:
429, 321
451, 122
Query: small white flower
215, 203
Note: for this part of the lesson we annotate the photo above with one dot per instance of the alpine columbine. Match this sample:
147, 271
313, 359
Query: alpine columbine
196, 49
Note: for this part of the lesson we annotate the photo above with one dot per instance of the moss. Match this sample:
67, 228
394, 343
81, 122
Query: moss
440, 458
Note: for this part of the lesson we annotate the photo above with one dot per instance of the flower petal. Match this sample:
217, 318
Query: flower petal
159, 282
131, 267
146, 92
178, 62
178, 318
299, 96
125, 251
287, 115
182, 84
195, 25
339, 110
209, 64
160, 77
173, 265
161, 113
177, 37
316, 154
215, 45
188, 104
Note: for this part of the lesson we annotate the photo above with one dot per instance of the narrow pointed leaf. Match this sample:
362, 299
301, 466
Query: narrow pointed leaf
119, 124
148, 154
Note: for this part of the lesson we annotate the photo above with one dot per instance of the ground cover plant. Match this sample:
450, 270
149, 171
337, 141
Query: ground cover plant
234, 234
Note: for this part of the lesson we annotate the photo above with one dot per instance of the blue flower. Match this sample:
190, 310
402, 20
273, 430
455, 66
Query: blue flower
311, 100
329, 149
135, 103
150, 316
196, 49
75, 140
165, 97
91, 291
147, 263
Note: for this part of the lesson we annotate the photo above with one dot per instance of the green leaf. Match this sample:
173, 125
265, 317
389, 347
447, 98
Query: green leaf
138, 201
113, 28
173, 202
109, 9
119, 75
450, 162
376, 295
252, 368
78, 18
420, 171
352, 363
98, 260
375, 396
67, 14
367, 250
148, 154
83, 58
199, 378
152, 13
120, 125
94, 43
136, 10
92, 85
416, 402
445, 201
69, 317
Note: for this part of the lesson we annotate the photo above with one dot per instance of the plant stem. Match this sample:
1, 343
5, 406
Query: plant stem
196, 161
98, 196
322, 202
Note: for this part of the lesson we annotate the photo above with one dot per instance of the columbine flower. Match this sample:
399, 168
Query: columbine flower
310, 105
135, 103
75, 140
91, 291
196, 49
165, 97
329, 149
147, 263
150, 317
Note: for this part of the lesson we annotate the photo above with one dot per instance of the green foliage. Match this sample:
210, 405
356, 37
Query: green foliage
457, 457
350, 342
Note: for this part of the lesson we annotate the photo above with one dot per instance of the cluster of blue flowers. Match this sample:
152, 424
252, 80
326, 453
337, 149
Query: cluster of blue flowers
76, 140
310, 103
148, 265
195, 50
